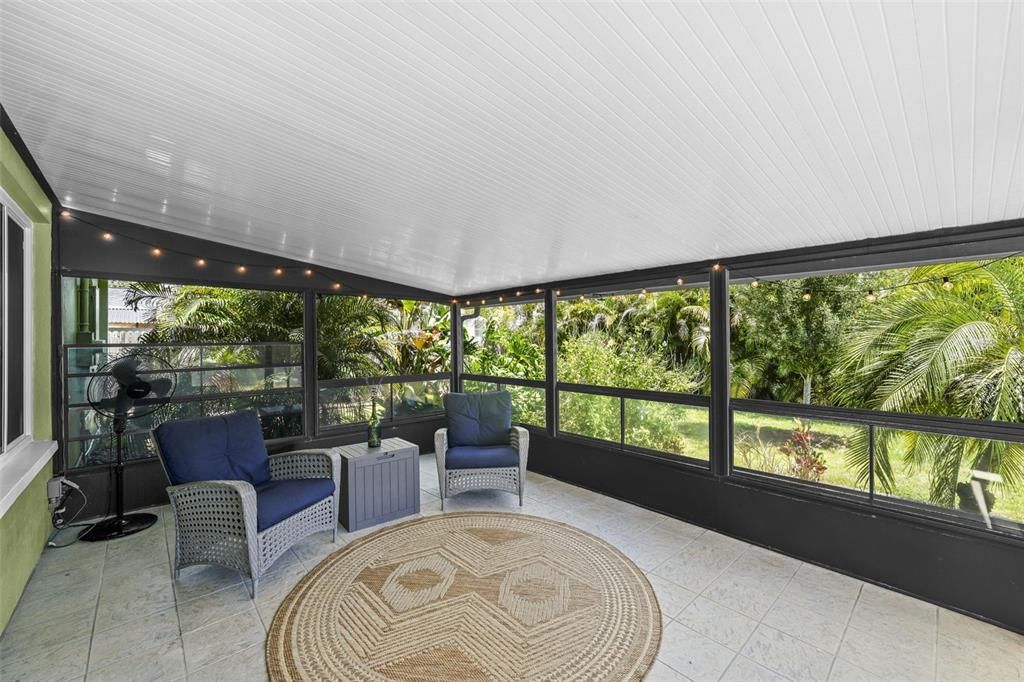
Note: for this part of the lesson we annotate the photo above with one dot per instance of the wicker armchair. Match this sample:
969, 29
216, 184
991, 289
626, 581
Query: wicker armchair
241, 524
480, 450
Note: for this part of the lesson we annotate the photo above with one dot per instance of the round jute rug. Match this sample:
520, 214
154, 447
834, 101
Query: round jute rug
469, 596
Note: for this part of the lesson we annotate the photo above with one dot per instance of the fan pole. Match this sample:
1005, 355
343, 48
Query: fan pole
121, 524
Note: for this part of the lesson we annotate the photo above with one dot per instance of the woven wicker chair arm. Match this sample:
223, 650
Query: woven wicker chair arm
519, 438
305, 464
230, 506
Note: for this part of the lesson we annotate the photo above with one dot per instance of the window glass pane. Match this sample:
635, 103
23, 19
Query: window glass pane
972, 476
941, 340
504, 341
667, 427
353, 404
14, 310
656, 341
528, 405
371, 337
471, 386
238, 344
816, 451
585, 414
417, 398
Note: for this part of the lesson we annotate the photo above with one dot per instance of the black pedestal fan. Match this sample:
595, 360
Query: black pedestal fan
127, 388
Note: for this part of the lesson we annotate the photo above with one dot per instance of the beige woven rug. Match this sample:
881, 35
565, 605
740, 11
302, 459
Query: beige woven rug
469, 596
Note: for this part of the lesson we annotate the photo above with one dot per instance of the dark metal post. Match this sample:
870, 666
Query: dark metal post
455, 334
311, 407
550, 363
721, 436
622, 422
871, 462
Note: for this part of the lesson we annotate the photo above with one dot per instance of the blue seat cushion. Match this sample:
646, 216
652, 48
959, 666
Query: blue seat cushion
277, 500
227, 447
481, 457
478, 418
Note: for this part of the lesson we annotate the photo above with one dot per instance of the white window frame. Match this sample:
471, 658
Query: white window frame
8, 207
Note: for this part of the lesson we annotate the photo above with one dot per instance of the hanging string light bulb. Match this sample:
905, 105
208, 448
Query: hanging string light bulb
871, 297
947, 283
807, 295
756, 283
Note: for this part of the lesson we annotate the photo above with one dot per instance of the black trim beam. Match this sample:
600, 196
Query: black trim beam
720, 425
129, 257
931, 246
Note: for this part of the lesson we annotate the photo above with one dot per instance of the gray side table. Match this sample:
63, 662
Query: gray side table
380, 484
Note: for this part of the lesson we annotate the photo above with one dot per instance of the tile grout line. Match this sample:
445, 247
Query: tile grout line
846, 627
760, 621
96, 611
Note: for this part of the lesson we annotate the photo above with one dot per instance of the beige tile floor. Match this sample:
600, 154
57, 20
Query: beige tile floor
731, 611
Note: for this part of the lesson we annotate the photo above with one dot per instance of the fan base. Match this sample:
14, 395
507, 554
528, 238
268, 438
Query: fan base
116, 527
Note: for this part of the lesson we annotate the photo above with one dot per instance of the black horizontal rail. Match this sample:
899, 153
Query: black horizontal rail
200, 344
180, 370
511, 381
380, 381
206, 397
639, 394
952, 426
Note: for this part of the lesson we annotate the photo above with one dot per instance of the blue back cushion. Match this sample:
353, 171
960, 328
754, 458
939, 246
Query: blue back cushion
478, 418
227, 447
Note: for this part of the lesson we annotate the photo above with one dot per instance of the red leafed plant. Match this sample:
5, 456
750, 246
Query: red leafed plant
805, 461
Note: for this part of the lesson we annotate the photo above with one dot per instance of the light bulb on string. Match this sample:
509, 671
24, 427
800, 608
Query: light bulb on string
241, 269
108, 237
308, 272
156, 252
807, 295
871, 297
336, 286
756, 283
947, 283
200, 262
679, 281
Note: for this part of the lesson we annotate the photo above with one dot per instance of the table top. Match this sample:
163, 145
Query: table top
357, 450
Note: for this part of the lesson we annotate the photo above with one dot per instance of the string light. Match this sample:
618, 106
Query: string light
807, 295
947, 283
716, 267
241, 269
201, 262
308, 272
500, 299
483, 302
455, 301
469, 303
538, 290
871, 297
558, 292
519, 293
756, 283
65, 213
278, 272
363, 297
108, 237
336, 285
643, 292
156, 252
679, 281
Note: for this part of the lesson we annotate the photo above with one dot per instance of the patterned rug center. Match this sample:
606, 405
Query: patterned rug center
469, 596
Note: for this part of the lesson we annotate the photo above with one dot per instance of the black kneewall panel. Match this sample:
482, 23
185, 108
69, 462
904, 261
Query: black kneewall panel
145, 483
980, 576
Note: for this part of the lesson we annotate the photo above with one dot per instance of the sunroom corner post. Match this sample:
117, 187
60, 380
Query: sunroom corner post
455, 335
311, 410
720, 422
550, 363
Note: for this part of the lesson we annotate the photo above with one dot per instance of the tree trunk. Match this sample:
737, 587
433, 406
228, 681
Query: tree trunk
807, 388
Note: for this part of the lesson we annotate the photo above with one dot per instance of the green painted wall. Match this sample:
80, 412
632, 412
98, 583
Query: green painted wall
25, 526
23, 532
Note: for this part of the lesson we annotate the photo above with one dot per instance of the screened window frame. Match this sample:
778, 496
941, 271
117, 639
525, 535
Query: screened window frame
11, 213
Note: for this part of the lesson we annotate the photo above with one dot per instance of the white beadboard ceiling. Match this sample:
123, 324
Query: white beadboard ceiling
467, 147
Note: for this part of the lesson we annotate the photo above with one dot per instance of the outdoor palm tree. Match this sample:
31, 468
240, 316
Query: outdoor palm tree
952, 349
